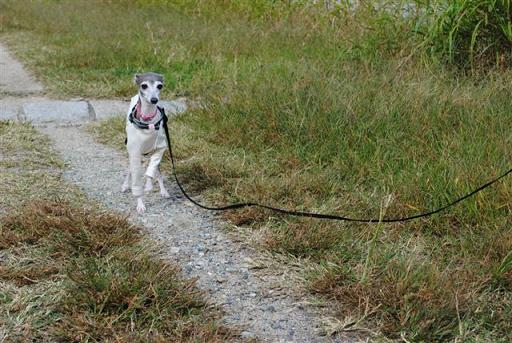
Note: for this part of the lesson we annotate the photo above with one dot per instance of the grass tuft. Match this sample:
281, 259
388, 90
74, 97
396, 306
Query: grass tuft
69, 230
112, 285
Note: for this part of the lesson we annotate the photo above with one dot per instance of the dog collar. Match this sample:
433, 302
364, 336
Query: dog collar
142, 125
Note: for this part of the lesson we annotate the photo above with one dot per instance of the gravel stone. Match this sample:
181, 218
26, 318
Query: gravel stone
247, 335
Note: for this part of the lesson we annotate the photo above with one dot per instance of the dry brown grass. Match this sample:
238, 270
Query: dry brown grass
70, 230
112, 287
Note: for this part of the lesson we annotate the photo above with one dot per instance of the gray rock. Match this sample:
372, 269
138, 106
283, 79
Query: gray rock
221, 279
105, 109
58, 111
173, 107
11, 106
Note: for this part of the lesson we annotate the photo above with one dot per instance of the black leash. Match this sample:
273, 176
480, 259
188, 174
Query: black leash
312, 214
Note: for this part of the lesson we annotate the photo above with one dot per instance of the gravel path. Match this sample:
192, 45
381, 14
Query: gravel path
14, 79
256, 298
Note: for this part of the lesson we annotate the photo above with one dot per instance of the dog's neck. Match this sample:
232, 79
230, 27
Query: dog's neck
146, 108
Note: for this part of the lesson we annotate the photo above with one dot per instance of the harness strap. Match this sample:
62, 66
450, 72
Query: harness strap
313, 214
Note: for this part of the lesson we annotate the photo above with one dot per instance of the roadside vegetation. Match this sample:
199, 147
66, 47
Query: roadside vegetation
364, 111
71, 272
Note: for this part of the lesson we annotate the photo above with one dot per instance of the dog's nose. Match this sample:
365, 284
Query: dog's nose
154, 100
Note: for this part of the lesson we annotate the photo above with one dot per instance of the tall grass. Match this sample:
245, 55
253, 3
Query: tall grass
325, 110
470, 33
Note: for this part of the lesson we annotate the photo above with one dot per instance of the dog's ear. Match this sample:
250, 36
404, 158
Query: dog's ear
136, 79
159, 77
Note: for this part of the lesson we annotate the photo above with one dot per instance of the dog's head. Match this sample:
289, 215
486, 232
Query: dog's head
149, 85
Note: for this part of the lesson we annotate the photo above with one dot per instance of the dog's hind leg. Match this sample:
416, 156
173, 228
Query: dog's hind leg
163, 191
126, 184
148, 187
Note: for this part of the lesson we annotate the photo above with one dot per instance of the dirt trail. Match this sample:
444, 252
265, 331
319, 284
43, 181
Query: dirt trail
14, 79
256, 293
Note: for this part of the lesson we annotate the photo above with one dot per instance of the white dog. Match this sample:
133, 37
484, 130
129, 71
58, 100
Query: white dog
145, 137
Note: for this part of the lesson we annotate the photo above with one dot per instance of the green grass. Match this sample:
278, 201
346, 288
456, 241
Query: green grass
470, 33
323, 111
73, 272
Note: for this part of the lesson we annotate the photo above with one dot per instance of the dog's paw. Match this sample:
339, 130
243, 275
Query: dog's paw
141, 208
164, 193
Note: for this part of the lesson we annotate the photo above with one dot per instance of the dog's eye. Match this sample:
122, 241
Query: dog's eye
144, 86
159, 86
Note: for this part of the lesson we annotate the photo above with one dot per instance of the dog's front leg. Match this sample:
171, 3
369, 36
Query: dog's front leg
141, 208
137, 174
153, 171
